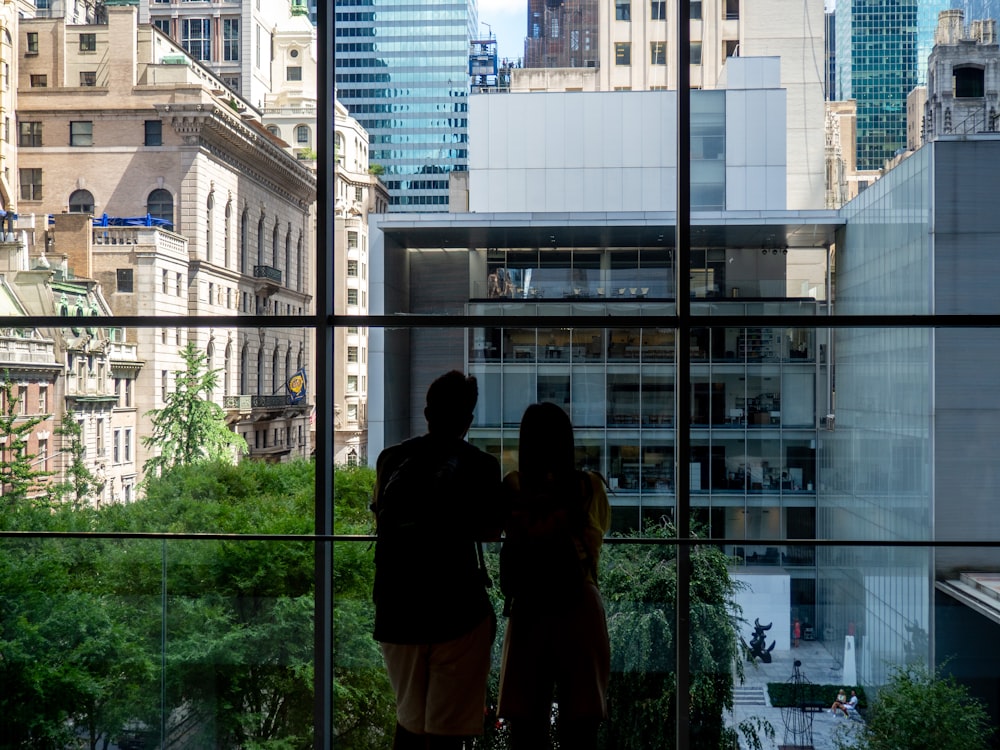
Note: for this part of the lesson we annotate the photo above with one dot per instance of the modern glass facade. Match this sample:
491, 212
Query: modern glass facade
403, 73
881, 52
877, 476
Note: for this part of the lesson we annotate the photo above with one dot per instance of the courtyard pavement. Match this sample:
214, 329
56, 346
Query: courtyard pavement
818, 666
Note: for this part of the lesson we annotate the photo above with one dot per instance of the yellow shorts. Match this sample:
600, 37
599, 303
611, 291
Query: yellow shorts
441, 687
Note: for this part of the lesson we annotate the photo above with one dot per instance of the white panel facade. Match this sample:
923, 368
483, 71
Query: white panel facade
595, 151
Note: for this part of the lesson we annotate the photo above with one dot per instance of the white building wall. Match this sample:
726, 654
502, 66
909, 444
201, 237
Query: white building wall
595, 151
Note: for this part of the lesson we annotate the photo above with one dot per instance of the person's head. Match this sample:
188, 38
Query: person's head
451, 400
545, 442
853, 693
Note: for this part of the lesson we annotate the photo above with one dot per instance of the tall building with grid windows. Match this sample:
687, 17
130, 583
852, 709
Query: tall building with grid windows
882, 52
402, 70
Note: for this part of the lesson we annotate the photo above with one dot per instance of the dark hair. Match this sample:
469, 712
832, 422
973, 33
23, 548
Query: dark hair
451, 399
546, 444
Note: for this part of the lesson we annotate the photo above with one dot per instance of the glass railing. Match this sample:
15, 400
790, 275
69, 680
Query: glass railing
154, 641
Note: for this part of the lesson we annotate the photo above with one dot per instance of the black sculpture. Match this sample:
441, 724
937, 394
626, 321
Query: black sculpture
757, 650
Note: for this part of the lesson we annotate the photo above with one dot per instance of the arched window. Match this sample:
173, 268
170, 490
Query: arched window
338, 148
969, 81
302, 135
227, 368
244, 238
288, 256
299, 263
210, 365
209, 215
160, 205
260, 241
226, 241
245, 370
274, 244
288, 363
275, 373
273, 130
260, 371
81, 202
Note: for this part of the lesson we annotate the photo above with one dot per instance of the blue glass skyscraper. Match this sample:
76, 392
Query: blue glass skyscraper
881, 50
977, 10
402, 72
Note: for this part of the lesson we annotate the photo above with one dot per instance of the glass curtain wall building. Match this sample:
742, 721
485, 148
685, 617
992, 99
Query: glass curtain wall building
881, 54
403, 72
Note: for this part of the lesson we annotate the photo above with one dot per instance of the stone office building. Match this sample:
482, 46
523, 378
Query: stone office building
117, 119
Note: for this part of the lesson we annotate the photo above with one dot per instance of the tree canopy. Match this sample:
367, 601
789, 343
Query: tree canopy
191, 427
927, 709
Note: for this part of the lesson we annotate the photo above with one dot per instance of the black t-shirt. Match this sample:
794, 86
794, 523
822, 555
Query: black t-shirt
428, 585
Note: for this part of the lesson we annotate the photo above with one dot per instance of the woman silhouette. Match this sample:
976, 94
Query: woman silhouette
556, 645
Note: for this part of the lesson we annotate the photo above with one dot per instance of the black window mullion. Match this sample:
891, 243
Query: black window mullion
323, 503
682, 378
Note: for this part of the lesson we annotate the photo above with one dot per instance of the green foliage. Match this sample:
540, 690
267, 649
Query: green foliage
19, 477
787, 694
639, 583
365, 707
928, 710
79, 483
190, 428
82, 621
376, 169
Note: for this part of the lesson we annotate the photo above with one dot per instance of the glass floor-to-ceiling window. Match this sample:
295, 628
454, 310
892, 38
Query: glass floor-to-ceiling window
791, 405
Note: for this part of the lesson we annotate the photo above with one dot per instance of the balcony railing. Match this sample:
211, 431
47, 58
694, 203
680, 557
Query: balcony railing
161, 239
248, 402
267, 272
271, 402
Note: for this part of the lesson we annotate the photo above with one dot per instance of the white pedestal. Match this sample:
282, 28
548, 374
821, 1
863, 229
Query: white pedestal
850, 677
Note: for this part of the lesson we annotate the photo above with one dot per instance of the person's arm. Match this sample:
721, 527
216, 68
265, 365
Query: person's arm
598, 519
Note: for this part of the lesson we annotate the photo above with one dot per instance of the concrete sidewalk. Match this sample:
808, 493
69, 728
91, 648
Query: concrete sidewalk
819, 667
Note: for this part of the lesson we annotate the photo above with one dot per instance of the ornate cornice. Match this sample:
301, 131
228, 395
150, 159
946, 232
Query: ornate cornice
243, 148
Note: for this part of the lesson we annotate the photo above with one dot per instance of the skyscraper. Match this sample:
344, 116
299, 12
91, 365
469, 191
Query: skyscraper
562, 35
882, 54
403, 73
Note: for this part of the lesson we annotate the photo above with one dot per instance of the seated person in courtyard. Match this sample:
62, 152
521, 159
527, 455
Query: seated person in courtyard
847, 707
839, 702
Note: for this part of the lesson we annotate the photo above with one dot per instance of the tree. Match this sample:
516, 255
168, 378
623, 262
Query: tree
639, 583
19, 477
79, 482
365, 707
190, 428
920, 708
239, 614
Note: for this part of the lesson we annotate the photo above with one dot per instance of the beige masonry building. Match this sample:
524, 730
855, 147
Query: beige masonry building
358, 193
117, 119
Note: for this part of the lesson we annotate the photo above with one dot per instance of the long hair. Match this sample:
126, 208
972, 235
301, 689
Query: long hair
546, 451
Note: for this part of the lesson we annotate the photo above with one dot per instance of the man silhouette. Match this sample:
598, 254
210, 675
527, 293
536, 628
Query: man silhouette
436, 498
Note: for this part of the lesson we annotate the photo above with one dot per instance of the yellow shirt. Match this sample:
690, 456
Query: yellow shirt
597, 509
